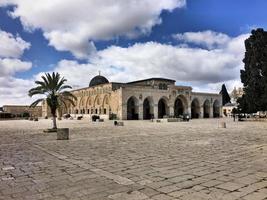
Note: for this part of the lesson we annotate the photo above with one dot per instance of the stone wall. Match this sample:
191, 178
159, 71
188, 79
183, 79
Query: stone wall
19, 109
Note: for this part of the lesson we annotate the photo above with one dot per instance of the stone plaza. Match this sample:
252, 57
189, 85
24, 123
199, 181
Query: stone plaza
138, 161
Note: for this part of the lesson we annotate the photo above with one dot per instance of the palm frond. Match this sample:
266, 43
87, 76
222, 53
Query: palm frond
68, 94
64, 87
35, 103
36, 90
61, 84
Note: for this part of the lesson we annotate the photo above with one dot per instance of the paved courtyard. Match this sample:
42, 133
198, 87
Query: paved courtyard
139, 161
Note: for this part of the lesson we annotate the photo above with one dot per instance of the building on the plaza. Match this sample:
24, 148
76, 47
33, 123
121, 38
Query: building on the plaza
228, 108
143, 99
20, 110
236, 93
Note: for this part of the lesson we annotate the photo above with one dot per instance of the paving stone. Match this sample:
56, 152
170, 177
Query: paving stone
230, 186
168, 189
212, 183
144, 182
135, 195
162, 197
8, 168
256, 196
7, 178
118, 179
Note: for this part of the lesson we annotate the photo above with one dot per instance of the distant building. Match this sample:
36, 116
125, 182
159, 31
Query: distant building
236, 93
228, 109
142, 99
21, 109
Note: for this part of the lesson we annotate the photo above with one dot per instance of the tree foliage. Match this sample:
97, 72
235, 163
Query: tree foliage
254, 75
53, 87
225, 96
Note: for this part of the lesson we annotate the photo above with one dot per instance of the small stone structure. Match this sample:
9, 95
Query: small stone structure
62, 133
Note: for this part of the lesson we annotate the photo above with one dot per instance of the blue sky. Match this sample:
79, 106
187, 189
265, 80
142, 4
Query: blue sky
193, 41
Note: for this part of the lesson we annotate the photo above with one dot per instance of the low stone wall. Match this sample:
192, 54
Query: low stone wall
19, 110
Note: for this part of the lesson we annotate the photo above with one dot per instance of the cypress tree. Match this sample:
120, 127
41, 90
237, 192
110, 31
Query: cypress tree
225, 96
254, 75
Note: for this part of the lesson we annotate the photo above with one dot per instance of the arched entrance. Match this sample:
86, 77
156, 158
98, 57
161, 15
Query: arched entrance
132, 108
206, 109
195, 109
105, 105
162, 108
180, 106
216, 109
148, 109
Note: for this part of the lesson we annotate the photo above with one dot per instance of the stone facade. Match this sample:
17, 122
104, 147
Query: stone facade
144, 99
19, 109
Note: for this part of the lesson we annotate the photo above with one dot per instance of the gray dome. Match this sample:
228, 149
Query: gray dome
98, 80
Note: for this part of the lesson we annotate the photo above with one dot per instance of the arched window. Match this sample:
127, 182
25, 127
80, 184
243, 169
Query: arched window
164, 86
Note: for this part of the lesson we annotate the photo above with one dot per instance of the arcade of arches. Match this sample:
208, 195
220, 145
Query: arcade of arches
163, 108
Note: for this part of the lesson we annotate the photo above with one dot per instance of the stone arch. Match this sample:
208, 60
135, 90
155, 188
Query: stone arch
162, 107
97, 105
89, 104
206, 109
75, 108
216, 109
148, 108
180, 106
105, 100
81, 102
97, 101
195, 108
105, 105
132, 108
81, 106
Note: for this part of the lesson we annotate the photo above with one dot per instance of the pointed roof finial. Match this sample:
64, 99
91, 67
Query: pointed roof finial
99, 73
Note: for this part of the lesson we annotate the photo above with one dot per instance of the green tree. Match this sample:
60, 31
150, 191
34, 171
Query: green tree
254, 76
53, 87
225, 96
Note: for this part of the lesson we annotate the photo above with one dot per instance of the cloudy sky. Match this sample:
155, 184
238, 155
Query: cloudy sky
196, 42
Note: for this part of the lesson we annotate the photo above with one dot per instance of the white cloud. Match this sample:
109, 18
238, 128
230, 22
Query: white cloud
209, 39
11, 46
70, 25
14, 91
9, 66
201, 68
11, 49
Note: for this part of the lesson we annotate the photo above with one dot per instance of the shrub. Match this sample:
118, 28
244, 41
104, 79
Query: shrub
25, 114
112, 116
95, 117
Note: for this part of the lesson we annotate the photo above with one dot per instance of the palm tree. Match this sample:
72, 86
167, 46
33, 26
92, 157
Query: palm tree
52, 86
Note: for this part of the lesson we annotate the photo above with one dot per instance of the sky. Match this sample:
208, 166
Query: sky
198, 43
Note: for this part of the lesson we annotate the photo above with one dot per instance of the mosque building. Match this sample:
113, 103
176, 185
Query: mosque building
142, 99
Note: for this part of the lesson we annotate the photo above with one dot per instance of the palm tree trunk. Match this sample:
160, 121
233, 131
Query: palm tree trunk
54, 122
